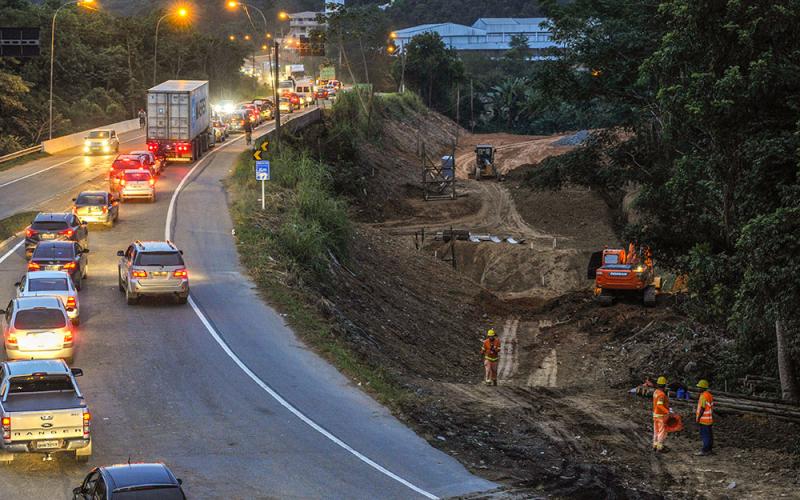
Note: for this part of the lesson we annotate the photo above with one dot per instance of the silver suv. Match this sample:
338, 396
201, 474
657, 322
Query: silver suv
153, 268
37, 328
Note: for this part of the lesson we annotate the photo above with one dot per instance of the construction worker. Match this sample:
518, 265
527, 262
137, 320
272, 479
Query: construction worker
660, 413
704, 415
490, 351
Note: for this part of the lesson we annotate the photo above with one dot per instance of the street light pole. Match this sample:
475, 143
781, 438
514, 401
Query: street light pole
155, 48
52, 53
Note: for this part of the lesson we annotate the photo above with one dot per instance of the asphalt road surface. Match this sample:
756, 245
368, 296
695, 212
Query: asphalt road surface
220, 389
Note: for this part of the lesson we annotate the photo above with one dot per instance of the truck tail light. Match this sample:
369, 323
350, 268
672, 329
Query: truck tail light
139, 274
152, 146
67, 232
6, 429
181, 273
30, 232
87, 421
34, 266
71, 303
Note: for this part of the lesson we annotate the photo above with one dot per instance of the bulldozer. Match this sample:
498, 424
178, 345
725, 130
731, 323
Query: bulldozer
484, 162
619, 271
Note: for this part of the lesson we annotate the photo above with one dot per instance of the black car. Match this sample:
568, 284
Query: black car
66, 256
130, 481
48, 227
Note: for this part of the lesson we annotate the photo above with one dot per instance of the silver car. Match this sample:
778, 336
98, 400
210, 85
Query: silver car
137, 184
104, 141
153, 268
37, 328
52, 284
97, 207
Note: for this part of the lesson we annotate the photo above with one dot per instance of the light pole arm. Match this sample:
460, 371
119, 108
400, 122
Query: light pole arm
52, 51
155, 47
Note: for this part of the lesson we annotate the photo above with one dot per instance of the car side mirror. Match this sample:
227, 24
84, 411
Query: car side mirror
84, 223
76, 372
120, 253
18, 283
77, 491
74, 199
181, 251
2, 311
85, 250
180, 481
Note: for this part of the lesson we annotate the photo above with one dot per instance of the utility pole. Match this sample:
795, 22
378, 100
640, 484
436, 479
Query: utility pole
275, 95
458, 109
471, 108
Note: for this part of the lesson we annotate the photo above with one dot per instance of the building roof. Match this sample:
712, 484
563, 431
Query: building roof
444, 29
510, 24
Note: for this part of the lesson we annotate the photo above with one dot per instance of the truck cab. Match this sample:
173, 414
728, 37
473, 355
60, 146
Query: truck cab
43, 410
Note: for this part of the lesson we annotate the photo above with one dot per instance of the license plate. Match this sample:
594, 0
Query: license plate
52, 268
48, 236
48, 444
618, 274
41, 341
159, 274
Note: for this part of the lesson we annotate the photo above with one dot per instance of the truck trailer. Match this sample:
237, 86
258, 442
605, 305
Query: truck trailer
179, 119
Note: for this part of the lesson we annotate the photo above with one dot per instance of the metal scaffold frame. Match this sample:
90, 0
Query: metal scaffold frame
438, 182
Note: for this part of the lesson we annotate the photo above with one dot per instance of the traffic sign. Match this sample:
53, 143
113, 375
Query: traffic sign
262, 170
263, 149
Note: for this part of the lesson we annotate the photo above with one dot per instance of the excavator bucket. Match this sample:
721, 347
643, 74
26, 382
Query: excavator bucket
595, 263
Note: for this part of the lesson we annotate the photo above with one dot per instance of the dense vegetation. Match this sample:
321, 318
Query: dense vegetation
705, 99
103, 65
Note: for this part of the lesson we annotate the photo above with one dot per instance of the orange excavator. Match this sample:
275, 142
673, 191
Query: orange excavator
617, 271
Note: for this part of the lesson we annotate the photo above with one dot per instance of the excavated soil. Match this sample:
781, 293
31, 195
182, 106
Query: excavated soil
561, 423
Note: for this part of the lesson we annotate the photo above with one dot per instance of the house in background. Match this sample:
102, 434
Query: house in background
487, 34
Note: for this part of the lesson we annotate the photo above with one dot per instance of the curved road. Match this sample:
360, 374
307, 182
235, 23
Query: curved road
220, 390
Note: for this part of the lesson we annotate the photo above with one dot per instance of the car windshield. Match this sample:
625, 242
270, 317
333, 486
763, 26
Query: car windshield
99, 134
39, 319
147, 492
159, 259
51, 251
39, 383
611, 258
47, 284
49, 225
91, 199
137, 176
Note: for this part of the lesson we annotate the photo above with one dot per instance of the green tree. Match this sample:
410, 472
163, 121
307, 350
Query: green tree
431, 69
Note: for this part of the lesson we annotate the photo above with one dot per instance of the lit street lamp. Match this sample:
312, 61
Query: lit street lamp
181, 12
85, 3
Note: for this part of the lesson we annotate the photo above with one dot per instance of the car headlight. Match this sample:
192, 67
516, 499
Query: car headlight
639, 269
106, 148
86, 148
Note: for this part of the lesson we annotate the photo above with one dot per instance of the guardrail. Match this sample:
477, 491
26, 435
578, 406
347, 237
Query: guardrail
20, 153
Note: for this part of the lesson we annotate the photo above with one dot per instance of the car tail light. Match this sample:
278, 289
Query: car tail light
34, 266
68, 337
6, 429
180, 273
152, 181
67, 232
139, 274
87, 421
11, 338
30, 232
71, 303
70, 266
105, 208
122, 182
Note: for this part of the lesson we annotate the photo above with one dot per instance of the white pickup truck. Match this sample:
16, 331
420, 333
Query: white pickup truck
42, 410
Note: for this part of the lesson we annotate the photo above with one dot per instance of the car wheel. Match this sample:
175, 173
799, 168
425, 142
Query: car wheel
119, 282
86, 271
131, 298
153, 198
78, 284
183, 299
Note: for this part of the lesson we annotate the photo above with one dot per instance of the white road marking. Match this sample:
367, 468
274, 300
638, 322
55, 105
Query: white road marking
10, 252
277, 397
51, 167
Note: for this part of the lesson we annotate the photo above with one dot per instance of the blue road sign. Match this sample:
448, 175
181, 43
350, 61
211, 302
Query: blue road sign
262, 170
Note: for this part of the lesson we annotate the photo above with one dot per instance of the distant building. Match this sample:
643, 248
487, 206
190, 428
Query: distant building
303, 23
486, 34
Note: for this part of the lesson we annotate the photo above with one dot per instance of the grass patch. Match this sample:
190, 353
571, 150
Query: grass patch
15, 223
291, 245
23, 159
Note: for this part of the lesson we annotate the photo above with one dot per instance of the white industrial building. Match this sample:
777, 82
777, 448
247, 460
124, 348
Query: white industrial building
489, 34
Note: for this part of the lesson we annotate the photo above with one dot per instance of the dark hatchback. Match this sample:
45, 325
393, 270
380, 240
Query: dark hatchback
49, 227
66, 256
131, 481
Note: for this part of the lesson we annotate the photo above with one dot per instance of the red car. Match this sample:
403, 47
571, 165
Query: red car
294, 99
120, 165
321, 94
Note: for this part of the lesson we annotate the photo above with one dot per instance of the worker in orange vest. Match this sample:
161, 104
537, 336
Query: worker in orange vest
491, 353
704, 415
660, 413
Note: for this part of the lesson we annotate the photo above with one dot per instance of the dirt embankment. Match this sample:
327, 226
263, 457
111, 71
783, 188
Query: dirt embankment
561, 422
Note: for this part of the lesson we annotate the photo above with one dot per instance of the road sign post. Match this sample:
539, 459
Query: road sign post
263, 175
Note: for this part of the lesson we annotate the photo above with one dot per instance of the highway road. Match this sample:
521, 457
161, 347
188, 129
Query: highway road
220, 390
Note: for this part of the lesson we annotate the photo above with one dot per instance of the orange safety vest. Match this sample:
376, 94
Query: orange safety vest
705, 409
660, 404
491, 348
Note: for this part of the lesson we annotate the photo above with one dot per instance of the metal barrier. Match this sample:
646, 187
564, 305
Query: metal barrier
20, 153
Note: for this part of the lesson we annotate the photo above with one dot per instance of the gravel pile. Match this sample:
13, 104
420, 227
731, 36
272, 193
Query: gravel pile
575, 139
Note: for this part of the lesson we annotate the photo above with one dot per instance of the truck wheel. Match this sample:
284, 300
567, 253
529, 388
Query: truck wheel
84, 454
649, 296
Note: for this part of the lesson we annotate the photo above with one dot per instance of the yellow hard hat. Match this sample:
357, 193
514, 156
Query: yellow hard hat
662, 380
703, 384
490, 333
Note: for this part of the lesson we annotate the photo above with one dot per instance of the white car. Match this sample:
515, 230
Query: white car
102, 141
156, 165
37, 328
52, 284
137, 184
